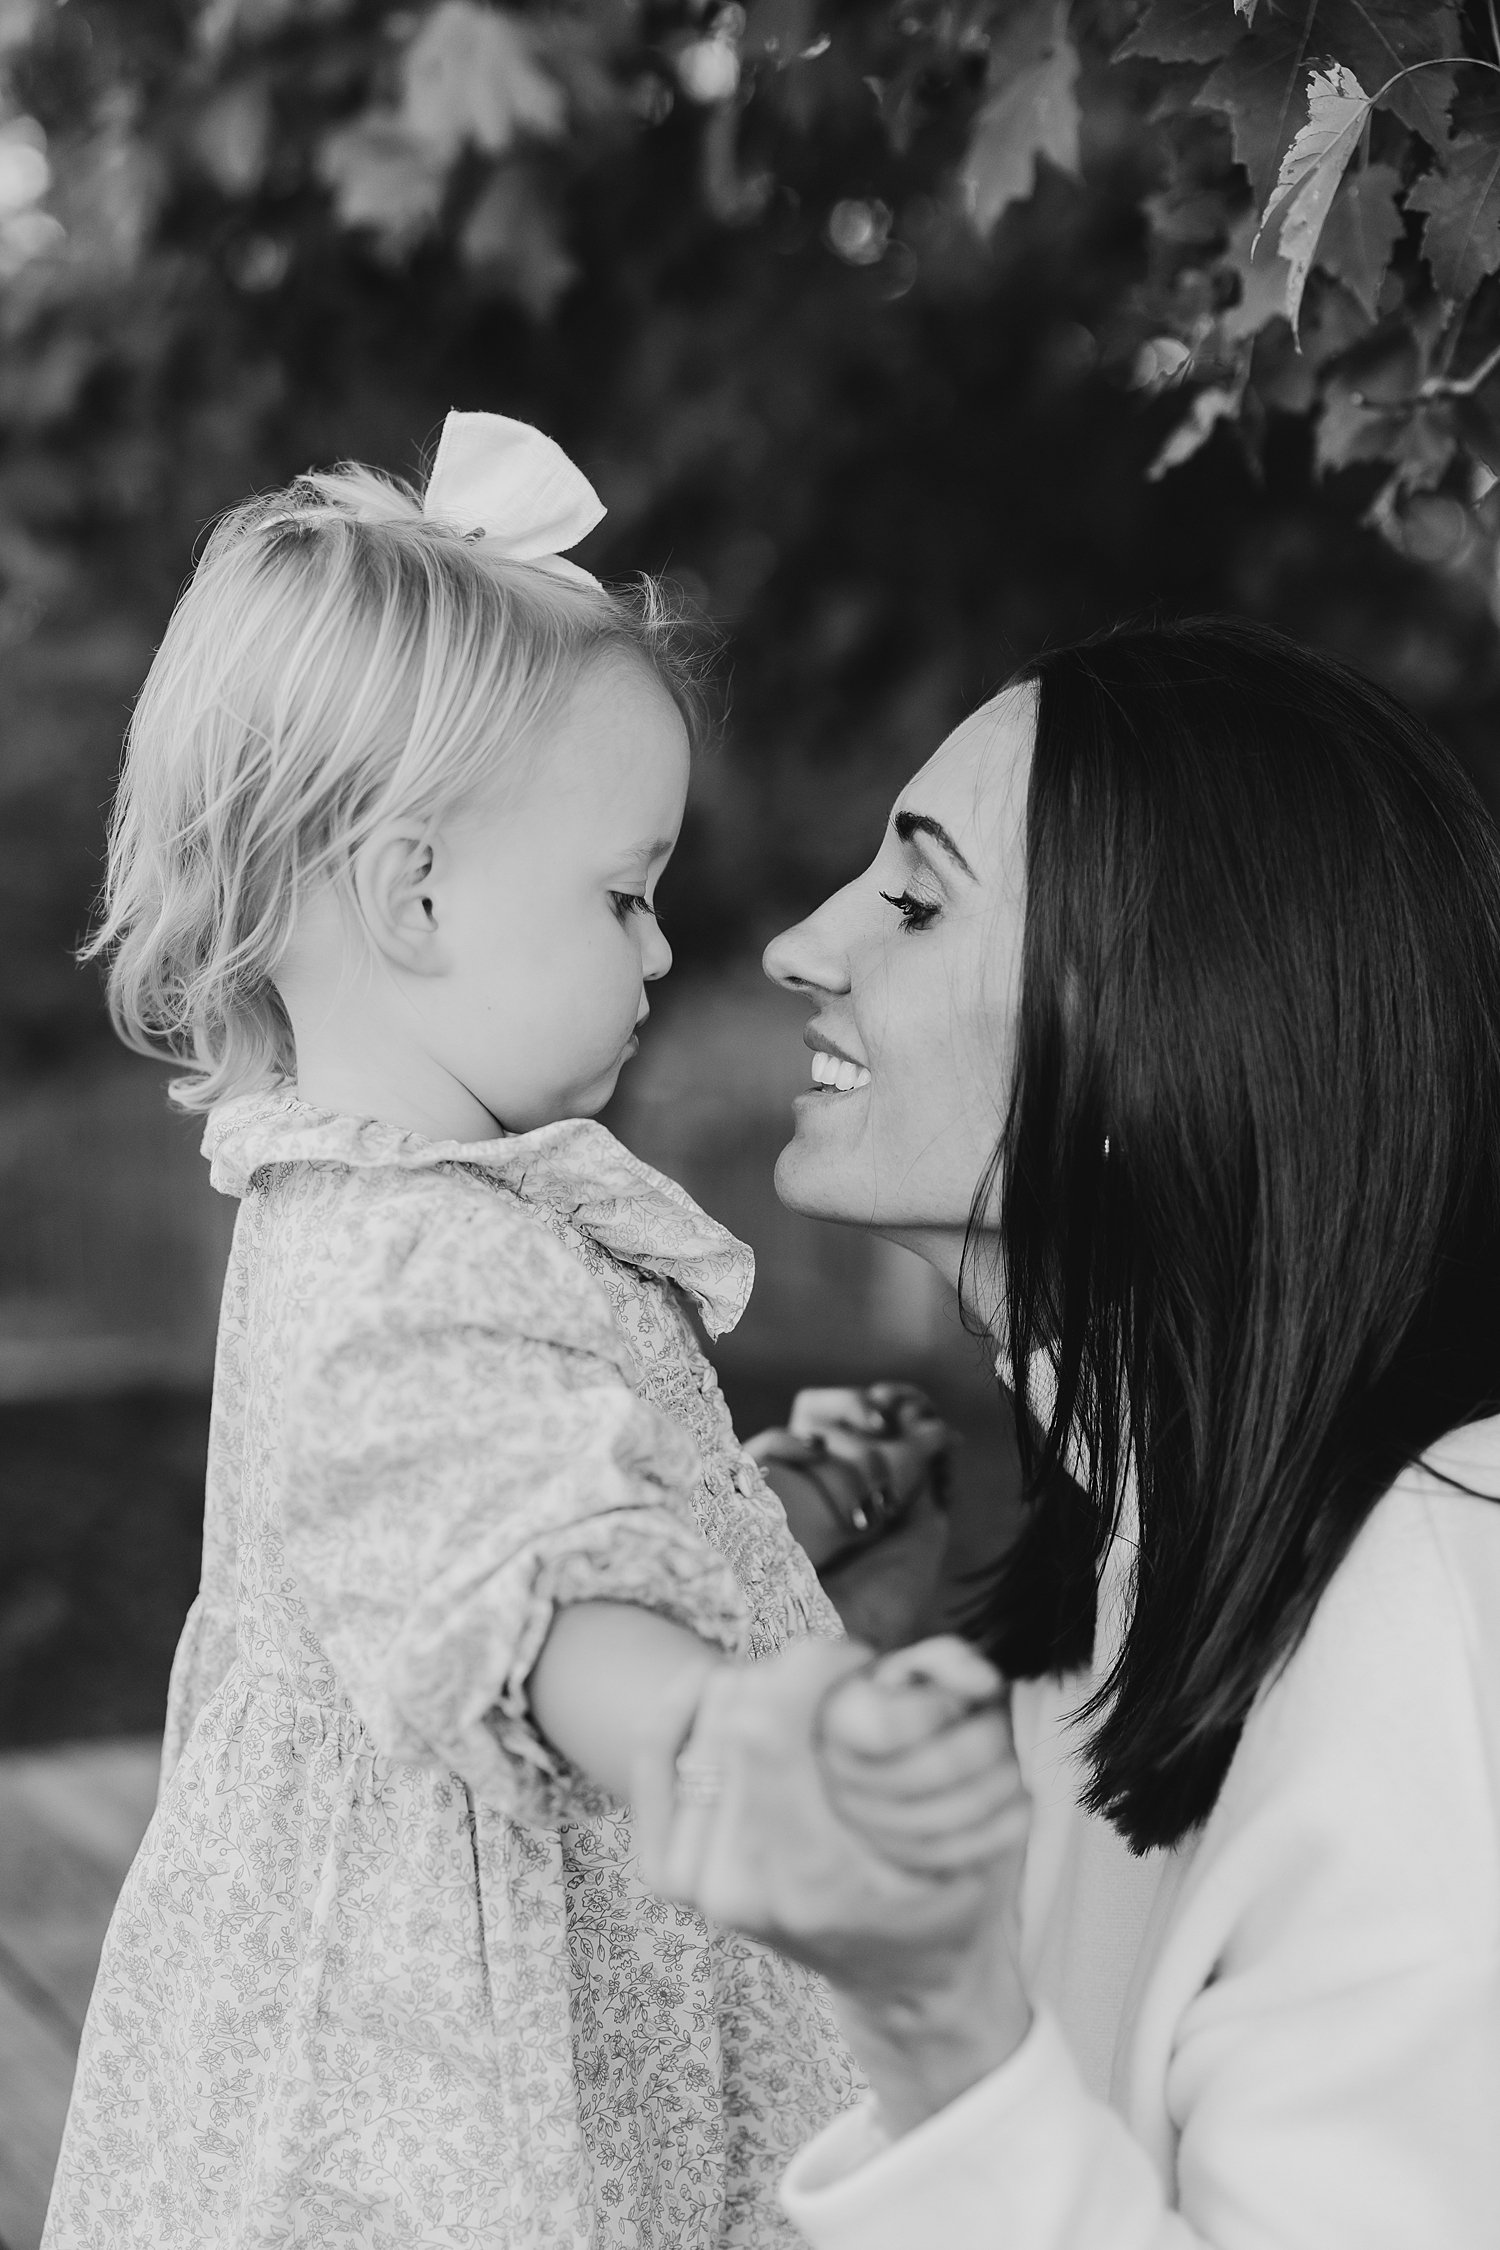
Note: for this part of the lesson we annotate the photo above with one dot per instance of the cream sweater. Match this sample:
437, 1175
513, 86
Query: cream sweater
1285, 2033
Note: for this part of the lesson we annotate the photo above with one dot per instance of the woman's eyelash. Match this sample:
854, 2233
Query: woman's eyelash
915, 913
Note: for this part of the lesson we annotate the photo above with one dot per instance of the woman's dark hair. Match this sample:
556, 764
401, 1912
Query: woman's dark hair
1248, 1192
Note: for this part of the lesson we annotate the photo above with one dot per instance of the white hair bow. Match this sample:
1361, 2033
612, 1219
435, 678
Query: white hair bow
510, 485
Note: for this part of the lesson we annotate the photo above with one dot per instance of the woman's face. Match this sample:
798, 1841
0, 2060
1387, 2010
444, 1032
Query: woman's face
913, 971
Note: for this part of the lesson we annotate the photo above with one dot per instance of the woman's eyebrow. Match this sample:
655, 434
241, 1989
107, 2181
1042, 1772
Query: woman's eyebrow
909, 824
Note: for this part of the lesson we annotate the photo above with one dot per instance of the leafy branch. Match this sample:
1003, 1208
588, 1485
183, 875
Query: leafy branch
1307, 249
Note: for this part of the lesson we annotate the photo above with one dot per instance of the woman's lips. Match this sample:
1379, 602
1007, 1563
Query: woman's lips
835, 1075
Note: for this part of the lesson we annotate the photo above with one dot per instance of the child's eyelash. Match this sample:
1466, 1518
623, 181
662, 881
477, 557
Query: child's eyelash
627, 903
915, 913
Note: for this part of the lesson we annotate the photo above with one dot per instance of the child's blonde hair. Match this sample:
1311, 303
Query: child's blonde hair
338, 660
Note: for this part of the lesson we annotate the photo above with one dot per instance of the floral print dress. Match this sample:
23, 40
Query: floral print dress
384, 1973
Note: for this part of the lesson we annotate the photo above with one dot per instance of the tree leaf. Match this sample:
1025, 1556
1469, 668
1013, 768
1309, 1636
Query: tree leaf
470, 78
512, 240
1259, 86
1361, 231
1461, 239
383, 179
1030, 111
1263, 281
1211, 407
1181, 31
1337, 107
1377, 39
232, 135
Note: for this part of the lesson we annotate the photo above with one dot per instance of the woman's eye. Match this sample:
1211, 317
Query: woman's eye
915, 913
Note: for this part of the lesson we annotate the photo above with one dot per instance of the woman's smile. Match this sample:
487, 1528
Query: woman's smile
910, 971
833, 1071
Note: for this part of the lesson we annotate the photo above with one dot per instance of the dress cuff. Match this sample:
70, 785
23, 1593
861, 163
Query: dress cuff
951, 2180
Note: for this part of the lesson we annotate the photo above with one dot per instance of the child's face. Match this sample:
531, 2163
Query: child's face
542, 904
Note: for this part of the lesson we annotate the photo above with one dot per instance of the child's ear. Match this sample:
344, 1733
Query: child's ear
393, 882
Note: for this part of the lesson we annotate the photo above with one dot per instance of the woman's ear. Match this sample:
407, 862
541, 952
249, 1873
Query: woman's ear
393, 883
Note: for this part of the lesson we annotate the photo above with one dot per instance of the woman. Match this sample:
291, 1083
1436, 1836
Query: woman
1172, 995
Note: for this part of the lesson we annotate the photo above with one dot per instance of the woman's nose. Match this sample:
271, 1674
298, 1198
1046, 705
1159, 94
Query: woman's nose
808, 957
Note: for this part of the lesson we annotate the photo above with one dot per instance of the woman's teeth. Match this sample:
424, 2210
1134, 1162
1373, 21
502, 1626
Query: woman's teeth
832, 1070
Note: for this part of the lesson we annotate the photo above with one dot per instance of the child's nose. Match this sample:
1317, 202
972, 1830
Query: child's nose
656, 954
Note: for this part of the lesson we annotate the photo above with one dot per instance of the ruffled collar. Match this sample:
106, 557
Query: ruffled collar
575, 1167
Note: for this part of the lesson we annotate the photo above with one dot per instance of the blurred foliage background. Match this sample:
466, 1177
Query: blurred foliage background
905, 335
875, 325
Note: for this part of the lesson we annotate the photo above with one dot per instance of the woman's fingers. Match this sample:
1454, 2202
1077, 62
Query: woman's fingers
817, 1413
664, 1734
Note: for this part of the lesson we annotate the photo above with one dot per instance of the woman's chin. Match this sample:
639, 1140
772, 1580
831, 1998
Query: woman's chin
814, 1180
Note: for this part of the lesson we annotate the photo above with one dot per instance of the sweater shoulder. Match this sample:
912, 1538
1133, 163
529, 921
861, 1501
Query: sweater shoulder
1370, 1763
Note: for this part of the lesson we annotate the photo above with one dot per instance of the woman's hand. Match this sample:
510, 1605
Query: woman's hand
738, 1820
852, 1464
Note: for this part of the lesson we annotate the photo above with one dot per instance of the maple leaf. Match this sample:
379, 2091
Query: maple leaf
1311, 170
1259, 86
1381, 41
470, 77
1263, 282
1361, 231
382, 179
1181, 31
1461, 239
1030, 111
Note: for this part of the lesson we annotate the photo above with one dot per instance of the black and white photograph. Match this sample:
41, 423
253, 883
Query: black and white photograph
749, 1125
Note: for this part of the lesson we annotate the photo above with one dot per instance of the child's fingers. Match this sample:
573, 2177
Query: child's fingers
909, 1697
860, 1719
943, 1661
965, 1804
967, 1751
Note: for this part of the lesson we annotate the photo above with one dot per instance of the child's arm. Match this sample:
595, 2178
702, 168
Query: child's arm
604, 1669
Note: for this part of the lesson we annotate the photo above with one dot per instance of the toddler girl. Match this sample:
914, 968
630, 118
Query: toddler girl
398, 791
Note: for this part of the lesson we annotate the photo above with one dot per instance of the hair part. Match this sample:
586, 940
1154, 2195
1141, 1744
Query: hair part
336, 662
1248, 1191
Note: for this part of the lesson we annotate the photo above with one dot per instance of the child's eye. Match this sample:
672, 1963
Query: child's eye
626, 903
915, 913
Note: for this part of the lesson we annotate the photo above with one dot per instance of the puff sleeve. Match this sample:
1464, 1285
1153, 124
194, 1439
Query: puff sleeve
464, 1453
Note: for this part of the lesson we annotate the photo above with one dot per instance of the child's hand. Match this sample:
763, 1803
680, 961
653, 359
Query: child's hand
917, 1757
